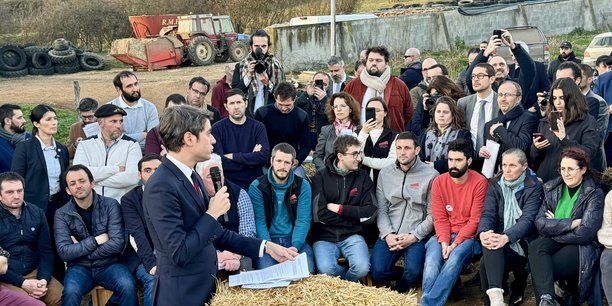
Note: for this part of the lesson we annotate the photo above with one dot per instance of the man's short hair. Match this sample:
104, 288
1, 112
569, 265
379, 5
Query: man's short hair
175, 98
473, 51
576, 71
200, 80
285, 90
76, 168
11, 177
146, 158
463, 146
214, 158
410, 136
233, 92
522, 158
335, 60
359, 63
382, 50
517, 87
8, 111
487, 67
587, 71
178, 120
117, 80
285, 148
342, 143
601, 59
259, 33
442, 67
88, 104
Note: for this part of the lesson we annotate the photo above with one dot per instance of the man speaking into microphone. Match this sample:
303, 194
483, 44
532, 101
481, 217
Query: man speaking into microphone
182, 220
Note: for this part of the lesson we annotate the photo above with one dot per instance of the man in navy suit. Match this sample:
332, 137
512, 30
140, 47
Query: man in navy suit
182, 220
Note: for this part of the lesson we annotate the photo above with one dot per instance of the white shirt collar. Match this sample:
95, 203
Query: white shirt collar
44, 147
182, 167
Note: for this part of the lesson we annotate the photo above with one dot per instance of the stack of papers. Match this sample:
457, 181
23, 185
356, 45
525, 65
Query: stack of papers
280, 275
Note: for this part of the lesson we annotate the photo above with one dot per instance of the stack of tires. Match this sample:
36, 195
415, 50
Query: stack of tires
62, 58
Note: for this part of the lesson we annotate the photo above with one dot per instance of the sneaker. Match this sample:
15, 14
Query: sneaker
547, 300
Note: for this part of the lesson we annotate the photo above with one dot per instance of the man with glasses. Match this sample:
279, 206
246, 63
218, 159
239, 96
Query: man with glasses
412, 75
87, 108
566, 54
198, 89
343, 200
513, 126
416, 93
314, 101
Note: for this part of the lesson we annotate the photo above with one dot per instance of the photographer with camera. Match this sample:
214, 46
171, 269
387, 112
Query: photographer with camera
313, 101
438, 86
258, 73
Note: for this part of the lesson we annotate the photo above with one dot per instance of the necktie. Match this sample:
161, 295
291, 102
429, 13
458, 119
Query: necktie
194, 178
481, 124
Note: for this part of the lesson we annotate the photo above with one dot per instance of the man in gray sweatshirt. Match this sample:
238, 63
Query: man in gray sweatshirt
404, 215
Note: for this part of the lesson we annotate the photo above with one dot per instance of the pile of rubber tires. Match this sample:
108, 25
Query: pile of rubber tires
61, 58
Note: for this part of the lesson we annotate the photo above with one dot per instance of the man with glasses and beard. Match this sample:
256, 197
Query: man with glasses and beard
457, 199
242, 142
141, 114
198, 89
376, 81
87, 107
12, 132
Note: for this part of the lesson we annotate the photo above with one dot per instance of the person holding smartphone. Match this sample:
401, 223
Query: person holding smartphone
314, 101
566, 124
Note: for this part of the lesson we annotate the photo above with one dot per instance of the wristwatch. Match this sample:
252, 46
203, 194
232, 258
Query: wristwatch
4, 253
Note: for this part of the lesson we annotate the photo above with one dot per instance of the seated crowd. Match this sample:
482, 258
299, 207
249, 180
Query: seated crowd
415, 168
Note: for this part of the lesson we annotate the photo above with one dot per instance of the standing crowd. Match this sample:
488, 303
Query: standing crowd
407, 179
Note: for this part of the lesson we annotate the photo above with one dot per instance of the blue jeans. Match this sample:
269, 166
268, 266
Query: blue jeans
147, 280
606, 273
353, 248
116, 277
383, 261
439, 276
267, 260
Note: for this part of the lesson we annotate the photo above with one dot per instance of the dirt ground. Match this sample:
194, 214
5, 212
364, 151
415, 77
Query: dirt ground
58, 90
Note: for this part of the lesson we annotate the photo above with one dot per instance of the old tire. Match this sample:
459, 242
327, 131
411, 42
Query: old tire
63, 52
71, 67
12, 58
238, 50
62, 59
29, 51
41, 71
201, 51
61, 44
91, 61
222, 58
14, 74
41, 61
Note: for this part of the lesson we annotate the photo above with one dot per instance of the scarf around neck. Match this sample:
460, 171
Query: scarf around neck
436, 146
377, 84
339, 126
512, 211
13, 139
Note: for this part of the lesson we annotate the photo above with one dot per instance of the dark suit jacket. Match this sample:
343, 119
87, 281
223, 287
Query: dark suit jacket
29, 162
540, 83
134, 218
467, 104
183, 235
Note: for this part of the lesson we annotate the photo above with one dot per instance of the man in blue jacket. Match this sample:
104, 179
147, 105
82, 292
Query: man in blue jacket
12, 132
90, 237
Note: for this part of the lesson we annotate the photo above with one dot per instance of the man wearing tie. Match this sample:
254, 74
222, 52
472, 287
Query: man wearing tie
182, 219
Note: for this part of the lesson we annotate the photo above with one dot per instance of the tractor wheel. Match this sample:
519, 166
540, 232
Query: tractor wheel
12, 58
41, 71
14, 74
91, 61
222, 58
30, 50
67, 68
61, 44
238, 50
201, 51
41, 61
62, 59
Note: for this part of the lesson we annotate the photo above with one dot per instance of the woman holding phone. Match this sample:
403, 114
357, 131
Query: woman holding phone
566, 123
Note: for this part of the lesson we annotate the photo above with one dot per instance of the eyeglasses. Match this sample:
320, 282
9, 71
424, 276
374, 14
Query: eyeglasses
479, 76
355, 154
92, 117
568, 170
407, 56
506, 95
198, 92
339, 106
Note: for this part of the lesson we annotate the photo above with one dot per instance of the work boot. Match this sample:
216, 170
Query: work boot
496, 296
547, 300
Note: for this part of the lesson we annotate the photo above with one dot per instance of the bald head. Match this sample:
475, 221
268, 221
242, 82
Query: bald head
426, 64
412, 55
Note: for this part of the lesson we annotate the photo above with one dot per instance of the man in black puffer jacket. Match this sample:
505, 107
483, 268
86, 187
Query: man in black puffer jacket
565, 54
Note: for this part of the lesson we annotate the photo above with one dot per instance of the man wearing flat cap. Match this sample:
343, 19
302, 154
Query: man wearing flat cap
565, 54
111, 156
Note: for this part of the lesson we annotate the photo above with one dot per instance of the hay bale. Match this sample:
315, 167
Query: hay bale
314, 290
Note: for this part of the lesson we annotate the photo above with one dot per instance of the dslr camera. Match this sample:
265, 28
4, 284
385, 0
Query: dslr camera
260, 64
431, 100
544, 102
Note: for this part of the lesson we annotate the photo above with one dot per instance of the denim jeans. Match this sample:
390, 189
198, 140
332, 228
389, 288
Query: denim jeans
267, 260
353, 248
383, 261
606, 273
147, 280
116, 277
439, 276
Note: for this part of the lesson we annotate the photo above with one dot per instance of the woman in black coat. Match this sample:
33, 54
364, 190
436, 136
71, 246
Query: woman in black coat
568, 220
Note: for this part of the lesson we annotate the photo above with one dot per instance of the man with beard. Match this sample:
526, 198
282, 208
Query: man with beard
404, 215
12, 132
335, 64
258, 84
457, 199
376, 81
565, 54
220, 89
412, 75
242, 142
343, 201
282, 202
141, 114
198, 89
111, 156
87, 107
90, 237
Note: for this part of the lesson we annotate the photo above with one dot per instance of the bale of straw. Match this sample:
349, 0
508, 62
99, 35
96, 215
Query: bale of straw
314, 290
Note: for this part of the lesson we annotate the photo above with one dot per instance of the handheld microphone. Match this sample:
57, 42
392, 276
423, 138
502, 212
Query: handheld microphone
215, 176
